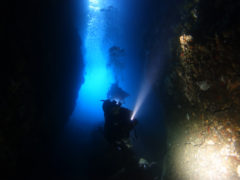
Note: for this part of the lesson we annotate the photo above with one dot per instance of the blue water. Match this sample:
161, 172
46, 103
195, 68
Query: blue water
106, 24
97, 76
109, 23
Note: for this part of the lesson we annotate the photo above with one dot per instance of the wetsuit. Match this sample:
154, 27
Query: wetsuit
117, 125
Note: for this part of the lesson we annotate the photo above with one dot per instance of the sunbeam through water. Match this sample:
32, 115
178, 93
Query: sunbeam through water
97, 77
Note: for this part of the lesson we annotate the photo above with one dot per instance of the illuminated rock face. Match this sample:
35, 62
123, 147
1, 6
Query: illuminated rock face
238, 170
204, 132
184, 41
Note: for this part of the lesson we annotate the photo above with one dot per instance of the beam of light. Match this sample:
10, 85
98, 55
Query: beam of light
97, 77
146, 86
150, 77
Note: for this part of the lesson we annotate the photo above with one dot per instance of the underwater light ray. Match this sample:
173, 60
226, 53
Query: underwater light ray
150, 77
97, 76
141, 97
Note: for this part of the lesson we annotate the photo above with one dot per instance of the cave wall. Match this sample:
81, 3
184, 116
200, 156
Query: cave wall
41, 73
201, 90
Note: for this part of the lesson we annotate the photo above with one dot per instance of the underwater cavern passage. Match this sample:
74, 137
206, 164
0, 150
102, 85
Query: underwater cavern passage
180, 68
172, 65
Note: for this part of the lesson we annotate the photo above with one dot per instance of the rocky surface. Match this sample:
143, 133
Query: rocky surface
204, 84
40, 76
200, 39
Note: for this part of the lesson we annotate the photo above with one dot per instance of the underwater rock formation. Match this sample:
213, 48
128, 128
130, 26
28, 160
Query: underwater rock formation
40, 79
204, 81
202, 87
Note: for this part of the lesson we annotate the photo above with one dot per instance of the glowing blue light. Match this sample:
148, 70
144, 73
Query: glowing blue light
94, 8
94, 5
97, 83
93, 1
94, 89
97, 77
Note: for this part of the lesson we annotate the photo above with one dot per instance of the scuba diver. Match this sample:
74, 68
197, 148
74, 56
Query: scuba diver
116, 93
117, 128
118, 124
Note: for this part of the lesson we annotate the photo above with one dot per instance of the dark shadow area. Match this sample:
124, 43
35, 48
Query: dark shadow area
41, 69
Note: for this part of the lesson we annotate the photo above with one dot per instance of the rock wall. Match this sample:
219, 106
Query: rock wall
41, 72
200, 40
204, 128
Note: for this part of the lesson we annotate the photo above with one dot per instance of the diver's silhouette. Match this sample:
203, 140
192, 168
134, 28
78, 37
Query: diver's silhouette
116, 93
118, 124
